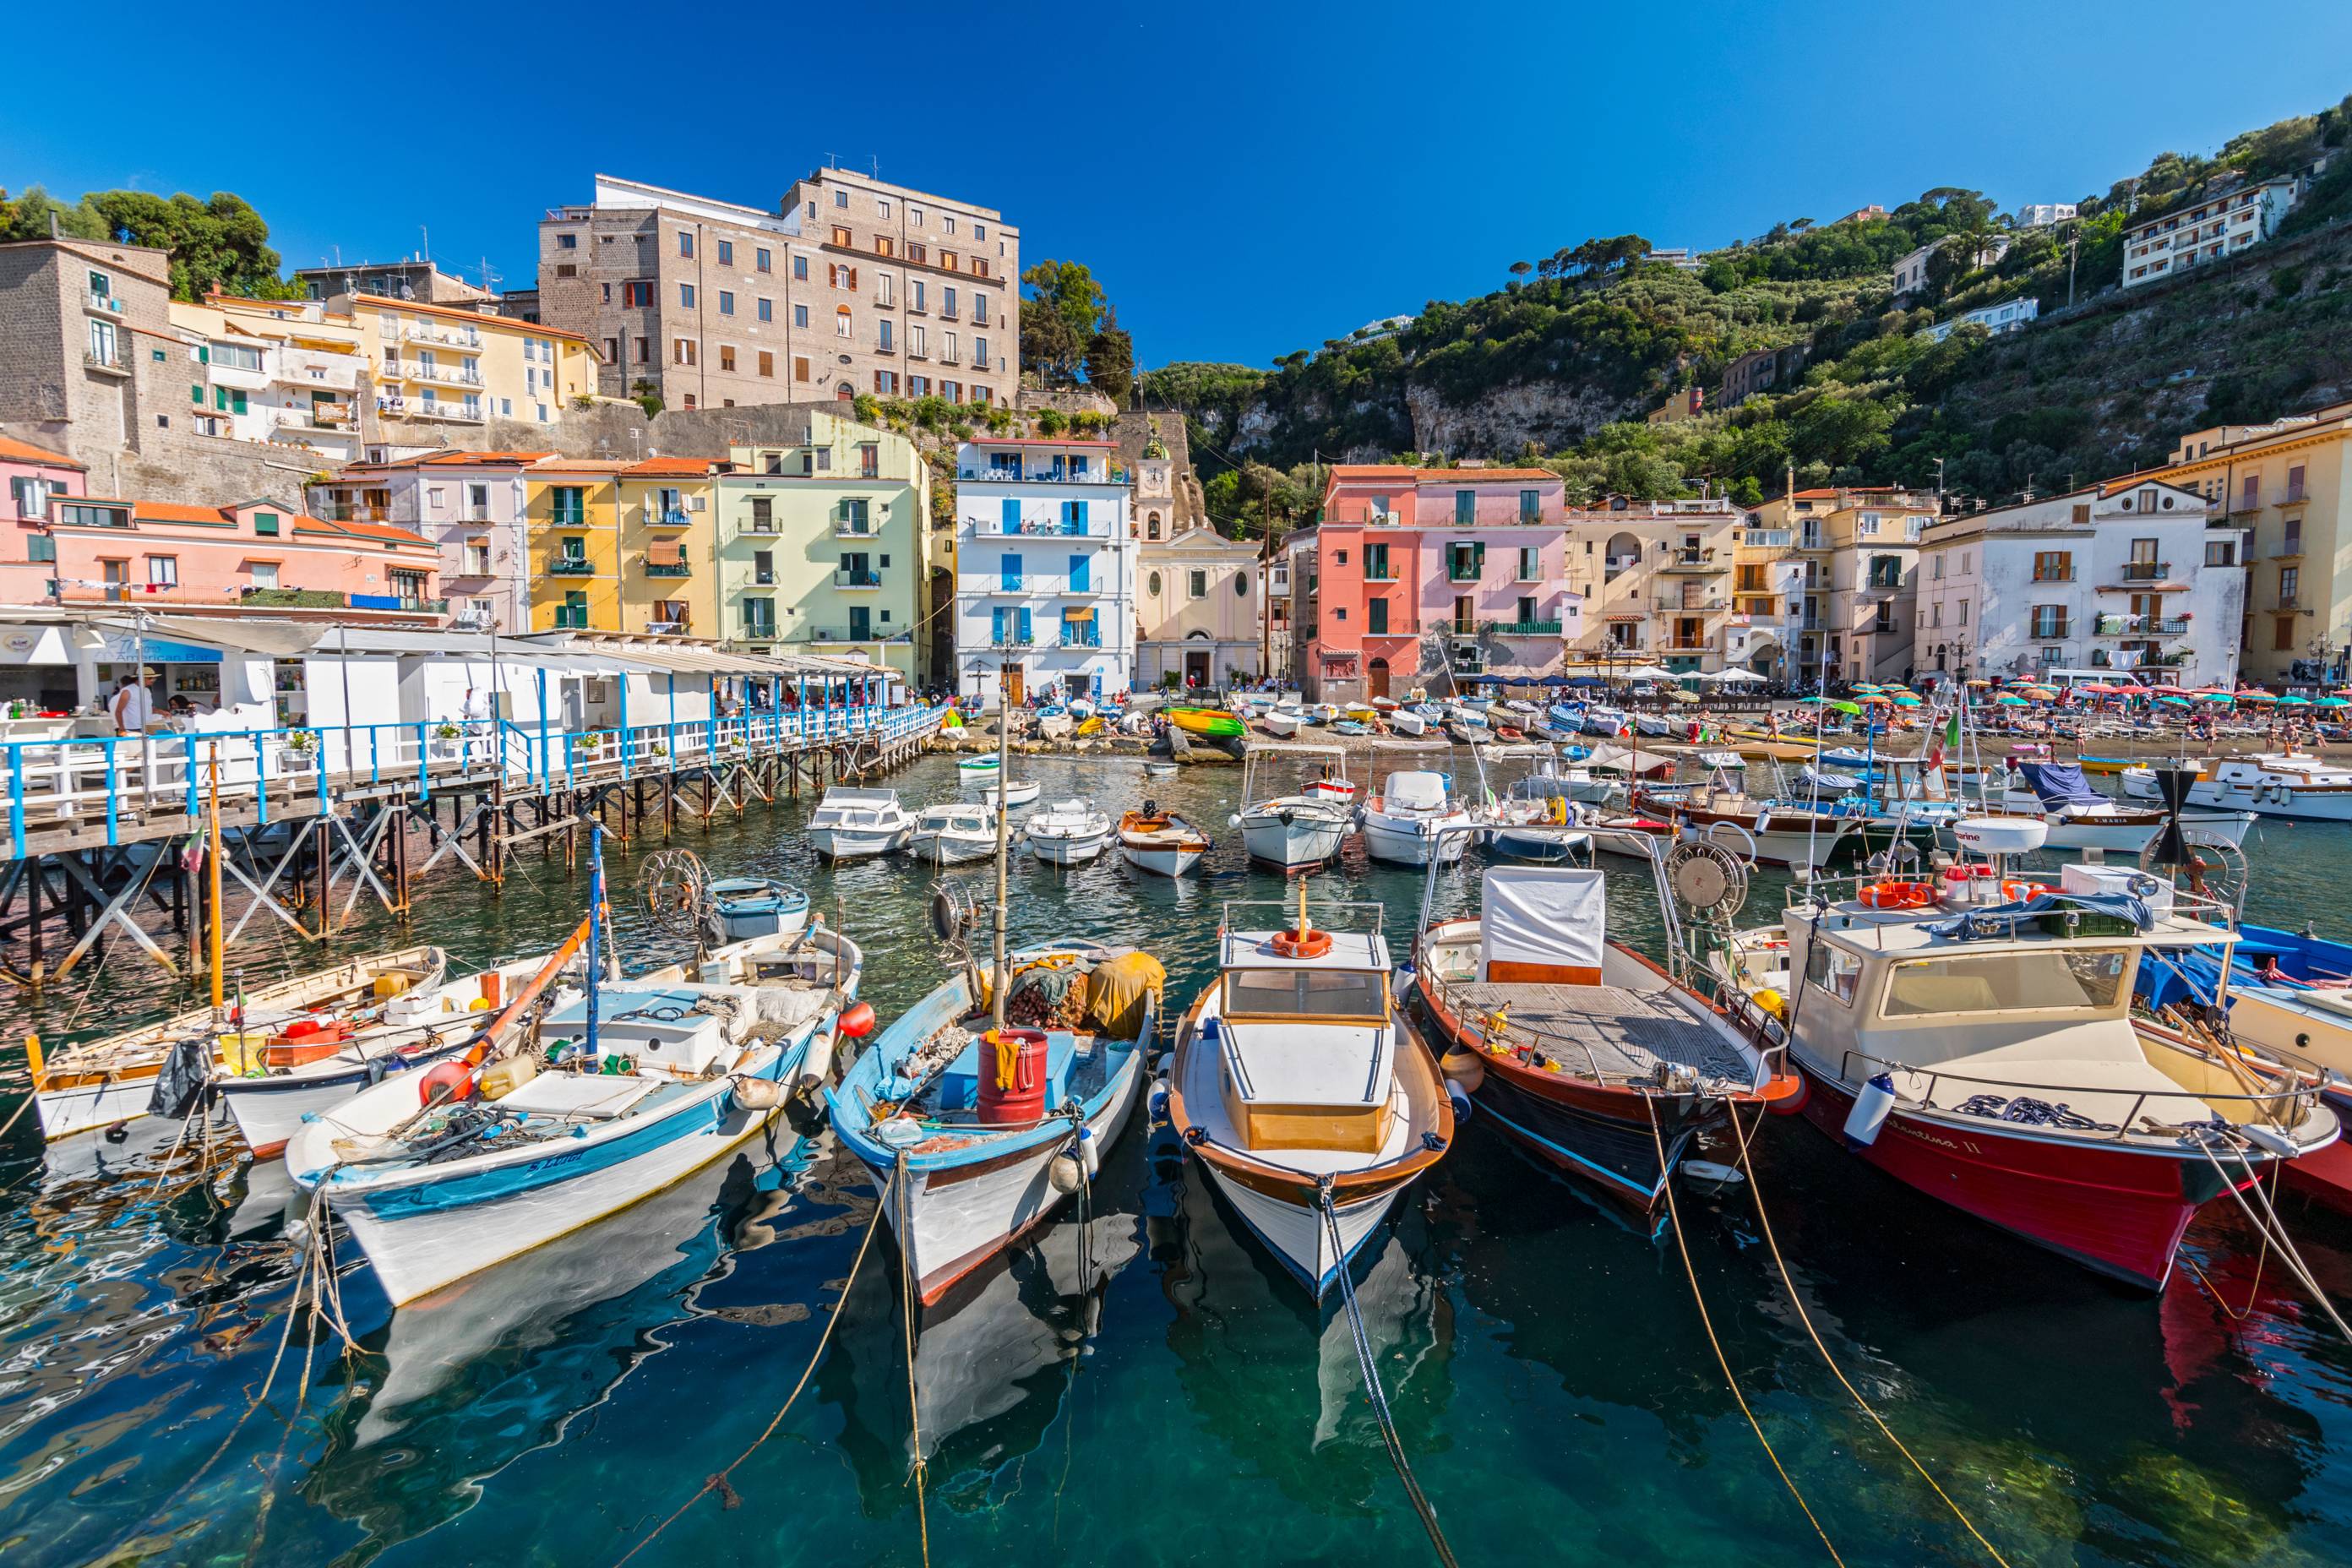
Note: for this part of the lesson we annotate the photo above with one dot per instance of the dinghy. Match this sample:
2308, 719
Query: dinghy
855, 823
1012, 793
1407, 721
1213, 722
1281, 723
1160, 841
953, 835
1067, 832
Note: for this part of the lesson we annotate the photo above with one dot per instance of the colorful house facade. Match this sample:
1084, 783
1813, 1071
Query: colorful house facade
472, 505
35, 476
1199, 611
573, 514
1046, 570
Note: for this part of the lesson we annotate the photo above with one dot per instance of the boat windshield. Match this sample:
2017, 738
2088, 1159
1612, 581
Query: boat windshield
2067, 979
1353, 993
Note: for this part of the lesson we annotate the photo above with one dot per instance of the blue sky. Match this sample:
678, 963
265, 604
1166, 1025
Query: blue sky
1246, 180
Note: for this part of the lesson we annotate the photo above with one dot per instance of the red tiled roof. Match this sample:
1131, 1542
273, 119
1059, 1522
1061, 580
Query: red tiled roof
462, 460
178, 511
1435, 475
384, 532
25, 452
674, 467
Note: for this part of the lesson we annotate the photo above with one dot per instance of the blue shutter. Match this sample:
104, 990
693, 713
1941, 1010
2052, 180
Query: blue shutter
1080, 575
1078, 515
1011, 515
996, 625
1024, 623
1008, 574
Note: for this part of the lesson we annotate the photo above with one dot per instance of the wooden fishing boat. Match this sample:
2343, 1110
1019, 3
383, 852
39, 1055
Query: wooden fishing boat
1296, 1084
1160, 841
741, 908
1214, 722
104, 1082
1763, 830
982, 1130
1581, 1050
441, 1174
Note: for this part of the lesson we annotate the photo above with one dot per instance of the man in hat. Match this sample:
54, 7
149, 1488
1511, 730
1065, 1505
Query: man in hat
133, 706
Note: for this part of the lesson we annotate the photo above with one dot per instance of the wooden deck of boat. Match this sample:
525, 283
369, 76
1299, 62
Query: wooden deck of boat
1627, 1033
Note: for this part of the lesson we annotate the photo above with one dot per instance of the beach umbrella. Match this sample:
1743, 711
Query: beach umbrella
2214, 697
2177, 701
1875, 696
2291, 701
1866, 686
2014, 702
1907, 700
2330, 702
2256, 696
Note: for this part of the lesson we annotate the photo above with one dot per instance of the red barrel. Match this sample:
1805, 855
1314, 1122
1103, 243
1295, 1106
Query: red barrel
1013, 1077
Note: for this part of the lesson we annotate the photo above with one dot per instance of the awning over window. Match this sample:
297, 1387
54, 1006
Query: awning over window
1079, 615
665, 552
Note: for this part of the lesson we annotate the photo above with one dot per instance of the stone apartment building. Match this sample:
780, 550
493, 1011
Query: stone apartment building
89, 360
851, 285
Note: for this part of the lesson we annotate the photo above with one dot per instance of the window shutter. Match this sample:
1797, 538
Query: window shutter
996, 625
1024, 623
1011, 515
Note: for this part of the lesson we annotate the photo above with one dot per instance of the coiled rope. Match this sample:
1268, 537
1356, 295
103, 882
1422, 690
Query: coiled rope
1373, 1392
718, 1482
1756, 1192
1708, 1320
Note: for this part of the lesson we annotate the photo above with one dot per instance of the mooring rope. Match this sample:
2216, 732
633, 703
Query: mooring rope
907, 1298
718, 1482
1732, 1382
2262, 1260
2286, 1244
1373, 1392
1756, 1192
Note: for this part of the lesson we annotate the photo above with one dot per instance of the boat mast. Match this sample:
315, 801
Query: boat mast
1003, 839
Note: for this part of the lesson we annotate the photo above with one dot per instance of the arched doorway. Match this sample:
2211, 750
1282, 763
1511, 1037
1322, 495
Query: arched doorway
844, 392
1376, 677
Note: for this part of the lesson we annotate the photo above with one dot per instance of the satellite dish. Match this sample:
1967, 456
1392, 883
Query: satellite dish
1706, 878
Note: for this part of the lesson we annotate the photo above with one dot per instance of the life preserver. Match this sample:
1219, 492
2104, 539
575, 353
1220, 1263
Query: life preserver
1898, 895
2016, 891
1294, 943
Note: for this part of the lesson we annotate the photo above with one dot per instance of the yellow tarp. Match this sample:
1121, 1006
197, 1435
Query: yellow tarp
1116, 989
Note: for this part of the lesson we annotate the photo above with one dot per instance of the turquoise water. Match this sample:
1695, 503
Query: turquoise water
1546, 1365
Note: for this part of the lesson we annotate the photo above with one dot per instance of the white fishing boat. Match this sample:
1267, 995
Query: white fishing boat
953, 835
1408, 821
104, 1082
272, 1083
1290, 831
2290, 784
1067, 832
444, 1173
1160, 841
1298, 1085
1284, 722
973, 772
1320, 712
854, 823
2080, 818
1405, 722
1015, 793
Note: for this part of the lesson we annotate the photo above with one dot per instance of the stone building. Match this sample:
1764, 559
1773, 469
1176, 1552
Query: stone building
849, 285
87, 351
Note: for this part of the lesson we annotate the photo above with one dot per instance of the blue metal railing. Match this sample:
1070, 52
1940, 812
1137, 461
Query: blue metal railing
69, 780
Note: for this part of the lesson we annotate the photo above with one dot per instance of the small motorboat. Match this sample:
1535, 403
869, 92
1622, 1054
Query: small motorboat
1067, 832
1408, 722
1160, 841
1015, 793
1655, 725
1510, 735
741, 908
1331, 782
1602, 721
1297, 831
855, 824
1155, 768
1384, 704
1300, 1089
1349, 727
954, 835
1467, 734
1412, 820
1214, 722
1284, 722
973, 772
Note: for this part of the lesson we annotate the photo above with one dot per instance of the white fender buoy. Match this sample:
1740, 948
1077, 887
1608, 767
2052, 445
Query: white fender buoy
1870, 1108
1159, 1100
1091, 1151
1234, 820
759, 1093
1064, 1172
817, 1066
2270, 1138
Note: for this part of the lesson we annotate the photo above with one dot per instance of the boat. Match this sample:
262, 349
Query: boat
1360, 712
1412, 819
1385, 705
1628, 834
1600, 720
1655, 725
973, 772
1331, 782
1588, 1055
2289, 784
271, 1082
1291, 831
442, 1173
1159, 768
1349, 727
1215, 722
1320, 712
1406, 721
953, 835
1055, 724
1777, 833
1067, 832
1296, 1084
1160, 841
106, 1082
1979, 1046
1012, 793
1281, 721
2080, 818
852, 824
1527, 821
741, 907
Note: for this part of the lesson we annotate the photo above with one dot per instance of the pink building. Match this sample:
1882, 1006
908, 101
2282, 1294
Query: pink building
34, 474
1425, 577
255, 555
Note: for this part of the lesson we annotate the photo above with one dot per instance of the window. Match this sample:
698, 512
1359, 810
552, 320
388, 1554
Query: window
612, 351
2049, 621
1008, 573
914, 343
102, 342
1465, 508
980, 353
2290, 580
841, 198
1530, 565
882, 340
1530, 506
2053, 567
881, 246
726, 253
947, 303
767, 362
800, 368
800, 315
1197, 581
979, 309
726, 356
637, 295
842, 236
1963, 609
1376, 616
644, 351
726, 302
163, 571
1081, 574
41, 547
2221, 552
685, 242
869, 462
1832, 970
567, 242
1153, 584
800, 269
841, 321
1151, 526
31, 497
2076, 980
686, 295
682, 350
567, 506
882, 207
914, 293
767, 311
265, 522
760, 260
1306, 993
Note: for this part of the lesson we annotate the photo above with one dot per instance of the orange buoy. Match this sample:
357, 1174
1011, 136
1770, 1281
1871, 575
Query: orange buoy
857, 1020
1297, 943
2018, 891
1898, 895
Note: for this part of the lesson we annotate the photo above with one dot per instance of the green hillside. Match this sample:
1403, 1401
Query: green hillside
1561, 363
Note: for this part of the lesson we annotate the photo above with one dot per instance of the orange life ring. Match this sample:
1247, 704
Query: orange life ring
2015, 891
1898, 895
1294, 943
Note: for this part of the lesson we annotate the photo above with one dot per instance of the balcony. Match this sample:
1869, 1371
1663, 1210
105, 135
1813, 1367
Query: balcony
764, 577
759, 631
849, 578
658, 516
571, 618
666, 629
1042, 528
2290, 549
1103, 475
448, 374
1073, 638
2144, 571
1520, 628
2140, 625
1383, 575
1013, 639
847, 527
2293, 495
1682, 645
113, 364
1693, 560
102, 304
2239, 504
2054, 577
2290, 604
1461, 573
668, 569
571, 566
448, 337
1674, 605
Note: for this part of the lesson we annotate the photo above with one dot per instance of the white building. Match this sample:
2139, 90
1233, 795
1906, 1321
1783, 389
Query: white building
2126, 576
1045, 570
2006, 317
2208, 230
1911, 272
2042, 214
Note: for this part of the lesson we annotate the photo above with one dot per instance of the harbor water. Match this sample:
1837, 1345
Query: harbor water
1143, 1384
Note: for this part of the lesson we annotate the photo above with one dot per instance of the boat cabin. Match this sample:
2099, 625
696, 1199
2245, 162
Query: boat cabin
877, 809
1305, 1053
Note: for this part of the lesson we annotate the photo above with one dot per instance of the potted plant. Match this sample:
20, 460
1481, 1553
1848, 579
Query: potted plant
298, 750
444, 746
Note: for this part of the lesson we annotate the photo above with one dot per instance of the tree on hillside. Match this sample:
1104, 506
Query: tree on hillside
221, 243
1110, 360
1060, 314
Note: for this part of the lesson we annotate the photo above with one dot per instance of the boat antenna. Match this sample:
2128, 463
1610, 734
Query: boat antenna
595, 923
1003, 839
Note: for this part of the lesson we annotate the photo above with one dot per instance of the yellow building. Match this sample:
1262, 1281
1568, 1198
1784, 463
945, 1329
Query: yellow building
2281, 497
279, 371
669, 546
1842, 567
573, 513
1651, 577
435, 362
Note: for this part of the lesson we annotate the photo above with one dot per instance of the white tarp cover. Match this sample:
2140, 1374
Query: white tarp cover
1422, 790
1541, 914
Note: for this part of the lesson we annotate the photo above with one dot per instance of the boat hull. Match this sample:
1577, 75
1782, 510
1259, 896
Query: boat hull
1293, 1230
944, 851
1301, 843
2115, 1210
1162, 860
1067, 851
1408, 841
856, 844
